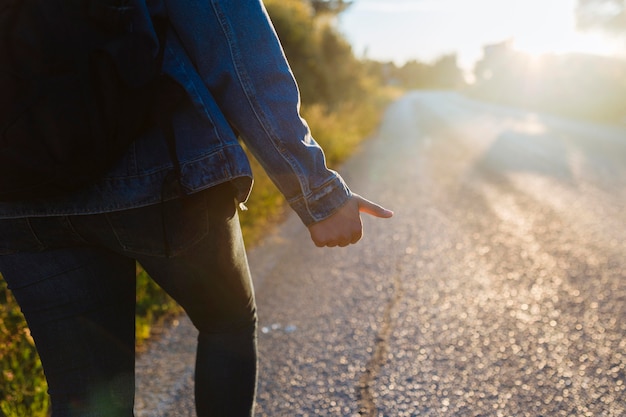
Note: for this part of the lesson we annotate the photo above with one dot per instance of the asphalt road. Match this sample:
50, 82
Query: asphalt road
497, 289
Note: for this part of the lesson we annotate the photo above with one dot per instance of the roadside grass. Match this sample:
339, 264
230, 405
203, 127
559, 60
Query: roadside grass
22, 383
23, 387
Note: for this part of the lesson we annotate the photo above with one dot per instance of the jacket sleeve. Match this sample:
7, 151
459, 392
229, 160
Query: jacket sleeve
236, 51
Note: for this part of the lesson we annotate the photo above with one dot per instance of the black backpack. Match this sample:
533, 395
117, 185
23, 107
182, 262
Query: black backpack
78, 83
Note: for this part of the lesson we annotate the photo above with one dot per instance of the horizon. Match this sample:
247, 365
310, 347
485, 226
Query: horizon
423, 30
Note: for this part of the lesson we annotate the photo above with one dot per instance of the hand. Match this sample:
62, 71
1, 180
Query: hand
344, 226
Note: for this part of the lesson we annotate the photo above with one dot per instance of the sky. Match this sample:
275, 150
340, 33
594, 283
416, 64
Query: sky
401, 30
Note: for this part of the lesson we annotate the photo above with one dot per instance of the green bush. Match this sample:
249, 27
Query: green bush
22, 383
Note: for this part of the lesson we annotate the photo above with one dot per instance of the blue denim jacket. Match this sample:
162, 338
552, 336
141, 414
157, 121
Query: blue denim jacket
228, 58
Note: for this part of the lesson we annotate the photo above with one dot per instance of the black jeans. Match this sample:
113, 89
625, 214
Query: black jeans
74, 278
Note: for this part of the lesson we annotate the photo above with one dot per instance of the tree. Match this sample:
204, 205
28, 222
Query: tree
446, 73
607, 15
322, 60
330, 6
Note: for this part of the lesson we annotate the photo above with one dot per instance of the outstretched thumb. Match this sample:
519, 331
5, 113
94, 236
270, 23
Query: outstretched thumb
371, 208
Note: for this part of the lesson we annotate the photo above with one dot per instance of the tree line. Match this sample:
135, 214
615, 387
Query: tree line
573, 85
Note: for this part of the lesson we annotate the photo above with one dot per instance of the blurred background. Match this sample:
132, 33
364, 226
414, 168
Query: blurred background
559, 56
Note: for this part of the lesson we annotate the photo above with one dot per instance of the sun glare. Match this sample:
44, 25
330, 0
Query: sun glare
549, 27
401, 30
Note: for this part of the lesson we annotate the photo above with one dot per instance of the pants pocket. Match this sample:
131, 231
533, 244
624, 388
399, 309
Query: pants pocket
164, 229
17, 235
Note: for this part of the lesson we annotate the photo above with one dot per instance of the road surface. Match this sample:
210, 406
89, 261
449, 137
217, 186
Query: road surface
497, 289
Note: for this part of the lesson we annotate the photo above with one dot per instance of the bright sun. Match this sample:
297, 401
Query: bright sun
543, 27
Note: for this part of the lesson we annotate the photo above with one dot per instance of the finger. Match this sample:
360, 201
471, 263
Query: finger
319, 242
357, 236
373, 209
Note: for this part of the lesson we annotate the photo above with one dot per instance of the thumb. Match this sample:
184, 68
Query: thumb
371, 208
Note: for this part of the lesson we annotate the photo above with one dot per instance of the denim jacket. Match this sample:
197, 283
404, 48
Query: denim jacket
226, 55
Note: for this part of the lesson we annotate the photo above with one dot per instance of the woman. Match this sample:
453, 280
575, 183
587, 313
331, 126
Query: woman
70, 261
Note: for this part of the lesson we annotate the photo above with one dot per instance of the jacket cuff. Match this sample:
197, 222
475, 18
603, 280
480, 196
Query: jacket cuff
322, 202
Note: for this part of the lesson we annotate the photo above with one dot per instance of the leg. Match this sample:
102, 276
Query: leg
80, 306
211, 280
